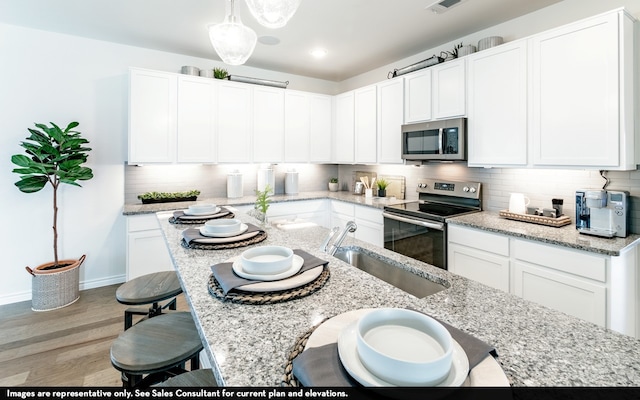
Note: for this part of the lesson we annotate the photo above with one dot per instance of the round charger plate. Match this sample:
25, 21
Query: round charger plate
296, 265
243, 229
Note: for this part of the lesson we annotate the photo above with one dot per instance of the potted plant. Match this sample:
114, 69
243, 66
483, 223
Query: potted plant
220, 73
333, 184
262, 204
53, 156
382, 187
168, 197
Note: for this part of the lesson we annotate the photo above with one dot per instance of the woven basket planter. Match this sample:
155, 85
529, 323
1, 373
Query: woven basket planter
55, 288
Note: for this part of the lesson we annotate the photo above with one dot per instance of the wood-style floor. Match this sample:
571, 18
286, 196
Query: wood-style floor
64, 347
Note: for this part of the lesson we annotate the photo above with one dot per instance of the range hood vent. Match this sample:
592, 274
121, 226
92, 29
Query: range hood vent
444, 5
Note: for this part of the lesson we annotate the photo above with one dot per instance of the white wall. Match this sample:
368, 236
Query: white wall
48, 77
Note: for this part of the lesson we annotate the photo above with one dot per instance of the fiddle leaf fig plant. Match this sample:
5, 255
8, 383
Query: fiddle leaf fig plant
54, 156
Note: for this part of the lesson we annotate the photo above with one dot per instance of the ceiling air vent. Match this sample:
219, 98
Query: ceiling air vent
444, 5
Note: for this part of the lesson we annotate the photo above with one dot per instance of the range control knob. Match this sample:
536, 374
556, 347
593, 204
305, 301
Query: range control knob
472, 190
465, 189
422, 185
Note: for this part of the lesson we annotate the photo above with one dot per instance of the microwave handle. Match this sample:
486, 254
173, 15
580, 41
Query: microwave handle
440, 141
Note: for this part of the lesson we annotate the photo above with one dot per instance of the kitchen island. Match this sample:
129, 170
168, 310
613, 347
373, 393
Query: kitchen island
248, 345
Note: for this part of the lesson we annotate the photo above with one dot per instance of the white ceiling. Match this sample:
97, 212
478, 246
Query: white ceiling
360, 35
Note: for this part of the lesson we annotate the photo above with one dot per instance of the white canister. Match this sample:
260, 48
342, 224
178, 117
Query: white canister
266, 177
518, 203
234, 185
291, 182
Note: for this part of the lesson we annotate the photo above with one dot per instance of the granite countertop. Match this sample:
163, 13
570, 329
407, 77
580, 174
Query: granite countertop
249, 344
566, 236
377, 202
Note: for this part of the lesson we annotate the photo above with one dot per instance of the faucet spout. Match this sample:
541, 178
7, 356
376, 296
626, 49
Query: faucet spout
350, 227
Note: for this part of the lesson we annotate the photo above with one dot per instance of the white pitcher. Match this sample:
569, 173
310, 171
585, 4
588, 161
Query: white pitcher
518, 203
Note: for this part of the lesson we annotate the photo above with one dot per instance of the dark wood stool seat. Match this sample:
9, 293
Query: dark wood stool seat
157, 347
197, 378
149, 289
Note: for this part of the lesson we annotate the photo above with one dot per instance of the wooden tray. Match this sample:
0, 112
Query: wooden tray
537, 219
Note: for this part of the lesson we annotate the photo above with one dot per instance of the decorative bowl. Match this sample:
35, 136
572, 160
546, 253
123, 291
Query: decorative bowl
404, 347
267, 260
202, 208
222, 226
489, 42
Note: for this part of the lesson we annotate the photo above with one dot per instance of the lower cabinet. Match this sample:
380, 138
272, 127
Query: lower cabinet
146, 249
369, 221
597, 288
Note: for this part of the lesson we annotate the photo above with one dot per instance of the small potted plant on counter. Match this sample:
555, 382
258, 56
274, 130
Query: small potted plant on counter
54, 156
262, 204
382, 187
333, 184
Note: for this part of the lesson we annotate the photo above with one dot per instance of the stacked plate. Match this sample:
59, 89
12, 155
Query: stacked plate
268, 263
202, 209
223, 228
400, 347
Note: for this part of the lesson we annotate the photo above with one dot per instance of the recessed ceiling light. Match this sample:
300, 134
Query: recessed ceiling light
318, 53
269, 40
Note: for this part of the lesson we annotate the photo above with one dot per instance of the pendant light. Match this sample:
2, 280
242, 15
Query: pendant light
233, 41
273, 13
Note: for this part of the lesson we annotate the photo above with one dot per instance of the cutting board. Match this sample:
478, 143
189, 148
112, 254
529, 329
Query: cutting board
396, 186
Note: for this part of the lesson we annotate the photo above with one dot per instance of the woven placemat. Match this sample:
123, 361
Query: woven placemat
222, 246
174, 220
242, 297
288, 380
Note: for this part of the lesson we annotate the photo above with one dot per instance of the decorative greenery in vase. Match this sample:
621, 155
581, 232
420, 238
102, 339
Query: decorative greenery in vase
165, 197
54, 156
333, 184
220, 73
382, 187
262, 203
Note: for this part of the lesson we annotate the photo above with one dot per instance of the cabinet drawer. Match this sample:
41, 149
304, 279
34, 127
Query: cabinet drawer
574, 262
296, 207
342, 208
478, 239
146, 222
369, 214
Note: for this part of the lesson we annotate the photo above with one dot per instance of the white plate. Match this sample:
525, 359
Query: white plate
289, 283
215, 211
243, 229
351, 362
296, 265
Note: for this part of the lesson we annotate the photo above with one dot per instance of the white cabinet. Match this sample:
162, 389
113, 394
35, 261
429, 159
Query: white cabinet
307, 127
234, 122
449, 93
417, 96
196, 120
146, 248
268, 124
344, 140
480, 256
390, 118
365, 125
497, 106
152, 116
369, 221
582, 100
315, 211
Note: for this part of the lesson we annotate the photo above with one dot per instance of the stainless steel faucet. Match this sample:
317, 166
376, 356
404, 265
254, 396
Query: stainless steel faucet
349, 227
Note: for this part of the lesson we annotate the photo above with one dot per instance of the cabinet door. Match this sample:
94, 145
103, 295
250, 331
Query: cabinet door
365, 125
571, 295
370, 233
196, 119
296, 126
344, 141
268, 124
234, 122
417, 96
481, 266
147, 253
390, 117
497, 106
575, 119
449, 89
320, 132
152, 116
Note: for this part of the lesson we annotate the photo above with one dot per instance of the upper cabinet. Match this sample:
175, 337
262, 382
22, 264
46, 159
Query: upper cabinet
268, 124
196, 120
417, 96
152, 116
390, 117
582, 100
365, 125
307, 127
449, 95
234, 122
497, 100
344, 138
320, 120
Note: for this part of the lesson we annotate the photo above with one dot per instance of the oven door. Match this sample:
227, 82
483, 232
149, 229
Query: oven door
416, 238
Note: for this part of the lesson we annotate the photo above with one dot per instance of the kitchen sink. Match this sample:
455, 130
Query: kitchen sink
389, 271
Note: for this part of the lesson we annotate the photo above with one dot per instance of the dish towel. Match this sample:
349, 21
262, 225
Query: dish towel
321, 366
223, 272
181, 215
194, 235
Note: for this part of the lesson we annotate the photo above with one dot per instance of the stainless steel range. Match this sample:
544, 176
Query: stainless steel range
418, 229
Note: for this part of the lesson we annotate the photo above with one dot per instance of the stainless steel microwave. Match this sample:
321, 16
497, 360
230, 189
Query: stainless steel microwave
443, 140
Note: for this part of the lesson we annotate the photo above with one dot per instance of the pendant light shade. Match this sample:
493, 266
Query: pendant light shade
233, 41
273, 13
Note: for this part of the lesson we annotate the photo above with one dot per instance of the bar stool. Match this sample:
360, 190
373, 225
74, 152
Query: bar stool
158, 347
197, 378
148, 289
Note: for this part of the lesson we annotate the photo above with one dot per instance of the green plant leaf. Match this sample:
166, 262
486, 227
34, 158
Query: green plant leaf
31, 184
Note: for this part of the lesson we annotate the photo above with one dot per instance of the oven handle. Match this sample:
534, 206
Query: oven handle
433, 225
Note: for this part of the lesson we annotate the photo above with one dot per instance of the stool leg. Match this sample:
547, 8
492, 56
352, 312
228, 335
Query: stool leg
195, 362
171, 304
128, 320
